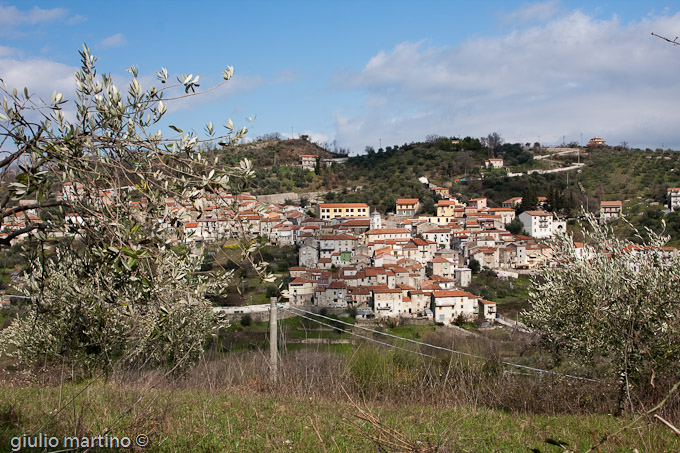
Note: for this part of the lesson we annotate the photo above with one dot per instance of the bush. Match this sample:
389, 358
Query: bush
246, 320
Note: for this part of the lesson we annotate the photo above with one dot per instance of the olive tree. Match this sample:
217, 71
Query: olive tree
120, 284
612, 299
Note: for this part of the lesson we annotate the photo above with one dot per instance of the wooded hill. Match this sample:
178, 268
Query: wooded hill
380, 177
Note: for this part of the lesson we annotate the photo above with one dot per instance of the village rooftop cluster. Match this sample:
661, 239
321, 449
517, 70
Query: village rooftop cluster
402, 265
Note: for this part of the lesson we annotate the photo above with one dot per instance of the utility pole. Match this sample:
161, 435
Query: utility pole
273, 346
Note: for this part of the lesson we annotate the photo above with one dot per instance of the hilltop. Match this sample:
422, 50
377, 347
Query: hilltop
266, 153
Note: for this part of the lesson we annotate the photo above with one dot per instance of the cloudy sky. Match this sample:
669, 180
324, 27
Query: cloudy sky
364, 73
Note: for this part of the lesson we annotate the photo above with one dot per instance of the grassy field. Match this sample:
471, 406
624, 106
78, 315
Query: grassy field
257, 419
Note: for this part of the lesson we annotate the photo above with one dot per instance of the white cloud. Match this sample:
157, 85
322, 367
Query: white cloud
41, 76
77, 19
574, 74
541, 11
116, 40
12, 16
7, 51
13, 20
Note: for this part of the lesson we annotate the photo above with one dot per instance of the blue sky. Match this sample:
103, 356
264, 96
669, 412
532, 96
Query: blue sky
364, 73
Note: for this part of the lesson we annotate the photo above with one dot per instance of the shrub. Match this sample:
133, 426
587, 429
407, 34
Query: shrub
246, 320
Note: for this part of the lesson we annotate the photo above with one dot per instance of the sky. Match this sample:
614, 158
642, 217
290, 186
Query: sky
372, 73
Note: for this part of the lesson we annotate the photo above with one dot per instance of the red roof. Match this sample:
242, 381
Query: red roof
452, 293
343, 205
356, 222
385, 290
407, 200
389, 231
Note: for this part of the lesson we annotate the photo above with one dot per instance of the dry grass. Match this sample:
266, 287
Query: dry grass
227, 404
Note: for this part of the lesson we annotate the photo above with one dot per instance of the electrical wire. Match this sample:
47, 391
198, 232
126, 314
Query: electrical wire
361, 336
466, 354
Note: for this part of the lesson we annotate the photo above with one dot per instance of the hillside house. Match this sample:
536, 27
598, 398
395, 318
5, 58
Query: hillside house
477, 203
69, 191
512, 203
673, 196
486, 256
381, 234
407, 206
301, 291
537, 224
336, 243
493, 163
610, 210
486, 309
440, 266
595, 142
447, 305
462, 276
440, 236
328, 211
308, 162
333, 296
386, 302
445, 208
441, 191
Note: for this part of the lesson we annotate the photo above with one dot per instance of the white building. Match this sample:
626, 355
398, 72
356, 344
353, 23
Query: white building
537, 224
673, 195
493, 163
610, 210
447, 305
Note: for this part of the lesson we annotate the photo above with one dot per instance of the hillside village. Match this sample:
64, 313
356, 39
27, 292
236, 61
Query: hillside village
403, 265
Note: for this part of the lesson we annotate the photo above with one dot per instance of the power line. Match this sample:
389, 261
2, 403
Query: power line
361, 336
516, 365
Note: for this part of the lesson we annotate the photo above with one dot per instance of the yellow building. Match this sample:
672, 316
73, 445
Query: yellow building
446, 208
407, 206
342, 210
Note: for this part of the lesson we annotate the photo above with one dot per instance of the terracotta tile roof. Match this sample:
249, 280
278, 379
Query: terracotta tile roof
453, 293
388, 231
343, 205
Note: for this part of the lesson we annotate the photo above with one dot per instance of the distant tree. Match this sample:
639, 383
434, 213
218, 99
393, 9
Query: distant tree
529, 200
474, 266
492, 141
516, 226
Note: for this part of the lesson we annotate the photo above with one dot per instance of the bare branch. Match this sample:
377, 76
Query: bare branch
674, 41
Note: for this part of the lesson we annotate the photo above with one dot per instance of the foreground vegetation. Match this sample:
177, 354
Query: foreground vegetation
227, 405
